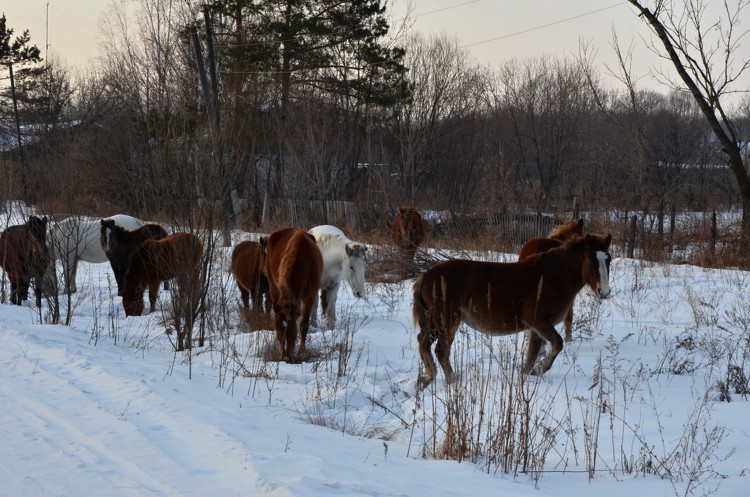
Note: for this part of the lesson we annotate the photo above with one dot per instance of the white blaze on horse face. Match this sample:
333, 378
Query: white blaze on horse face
603, 291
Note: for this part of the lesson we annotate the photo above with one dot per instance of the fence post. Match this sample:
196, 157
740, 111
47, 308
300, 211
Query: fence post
672, 216
631, 237
713, 234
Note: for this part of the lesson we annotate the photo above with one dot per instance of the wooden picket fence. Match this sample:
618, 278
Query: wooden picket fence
513, 229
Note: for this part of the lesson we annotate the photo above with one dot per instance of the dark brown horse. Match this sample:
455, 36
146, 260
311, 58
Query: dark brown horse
175, 256
247, 262
294, 266
119, 244
559, 235
24, 256
407, 233
505, 298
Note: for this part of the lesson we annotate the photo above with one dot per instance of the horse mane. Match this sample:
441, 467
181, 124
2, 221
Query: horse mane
566, 230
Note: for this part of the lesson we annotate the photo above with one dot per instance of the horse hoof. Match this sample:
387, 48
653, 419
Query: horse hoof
423, 382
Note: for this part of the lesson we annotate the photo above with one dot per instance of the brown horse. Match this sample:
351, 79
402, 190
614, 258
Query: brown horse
175, 256
119, 244
24, 255
247, 262
504, 298
557, 236
294, 267
407, 233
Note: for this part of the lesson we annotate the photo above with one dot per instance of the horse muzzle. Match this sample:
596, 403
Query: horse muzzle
603, 293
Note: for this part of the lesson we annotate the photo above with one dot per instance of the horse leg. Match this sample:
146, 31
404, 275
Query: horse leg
119, 273
153, 291
329, 307
532, 350
443, 349
15, 297
245, 297
23, 289
548, 332
70, 271
314, 308
38, 285
425, 337
568, 325
305, 324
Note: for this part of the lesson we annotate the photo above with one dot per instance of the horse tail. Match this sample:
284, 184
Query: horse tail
418, 309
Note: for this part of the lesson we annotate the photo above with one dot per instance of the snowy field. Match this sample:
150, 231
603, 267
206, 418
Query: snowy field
649, 399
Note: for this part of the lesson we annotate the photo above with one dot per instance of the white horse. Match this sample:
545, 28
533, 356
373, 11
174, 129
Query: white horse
342, 259
78, 239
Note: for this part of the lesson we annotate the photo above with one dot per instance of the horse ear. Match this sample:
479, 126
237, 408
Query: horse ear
263, 240
608, 239
349, 250
580, 224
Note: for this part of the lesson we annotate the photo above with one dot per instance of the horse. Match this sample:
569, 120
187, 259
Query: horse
504, 298
407, 233
175, 256
119, 243
247, 262
293, 265
557, 236
78, 239
342, 259
23, 256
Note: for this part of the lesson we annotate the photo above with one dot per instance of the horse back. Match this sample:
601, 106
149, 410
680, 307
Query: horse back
294, 265
167, 257
492, 297
246, 265
537, 246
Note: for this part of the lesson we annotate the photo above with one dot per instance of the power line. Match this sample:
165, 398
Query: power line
446, 8
536, 28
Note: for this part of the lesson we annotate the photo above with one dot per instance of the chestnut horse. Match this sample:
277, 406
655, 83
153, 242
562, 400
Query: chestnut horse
24, 255
247, 262
557, 236
294, 267
407, 233
175, 256
504, 298
120, 243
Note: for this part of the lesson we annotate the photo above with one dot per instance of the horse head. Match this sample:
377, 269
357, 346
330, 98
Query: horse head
37, 227
354, 269
596, 266
105, 233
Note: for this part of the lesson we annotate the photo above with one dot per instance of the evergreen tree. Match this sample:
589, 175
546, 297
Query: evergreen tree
332, 47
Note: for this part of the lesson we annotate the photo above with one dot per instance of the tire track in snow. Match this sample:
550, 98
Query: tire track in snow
129, 432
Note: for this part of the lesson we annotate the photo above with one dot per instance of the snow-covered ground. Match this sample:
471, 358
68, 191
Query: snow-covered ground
106, 407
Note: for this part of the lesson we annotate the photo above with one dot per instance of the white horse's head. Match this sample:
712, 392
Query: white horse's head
354, 268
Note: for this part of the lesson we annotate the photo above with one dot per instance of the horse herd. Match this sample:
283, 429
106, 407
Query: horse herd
290, 272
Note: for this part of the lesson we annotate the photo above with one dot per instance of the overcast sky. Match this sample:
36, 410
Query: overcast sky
493, 31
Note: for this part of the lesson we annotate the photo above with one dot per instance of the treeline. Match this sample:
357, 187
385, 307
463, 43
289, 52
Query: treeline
333, 100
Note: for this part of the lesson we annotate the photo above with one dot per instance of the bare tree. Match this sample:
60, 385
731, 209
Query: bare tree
447, 87
705, 54
547, 109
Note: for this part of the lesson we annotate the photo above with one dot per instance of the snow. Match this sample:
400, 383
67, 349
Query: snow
106, 407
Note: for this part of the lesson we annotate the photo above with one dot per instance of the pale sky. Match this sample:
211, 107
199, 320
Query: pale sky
493, 31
